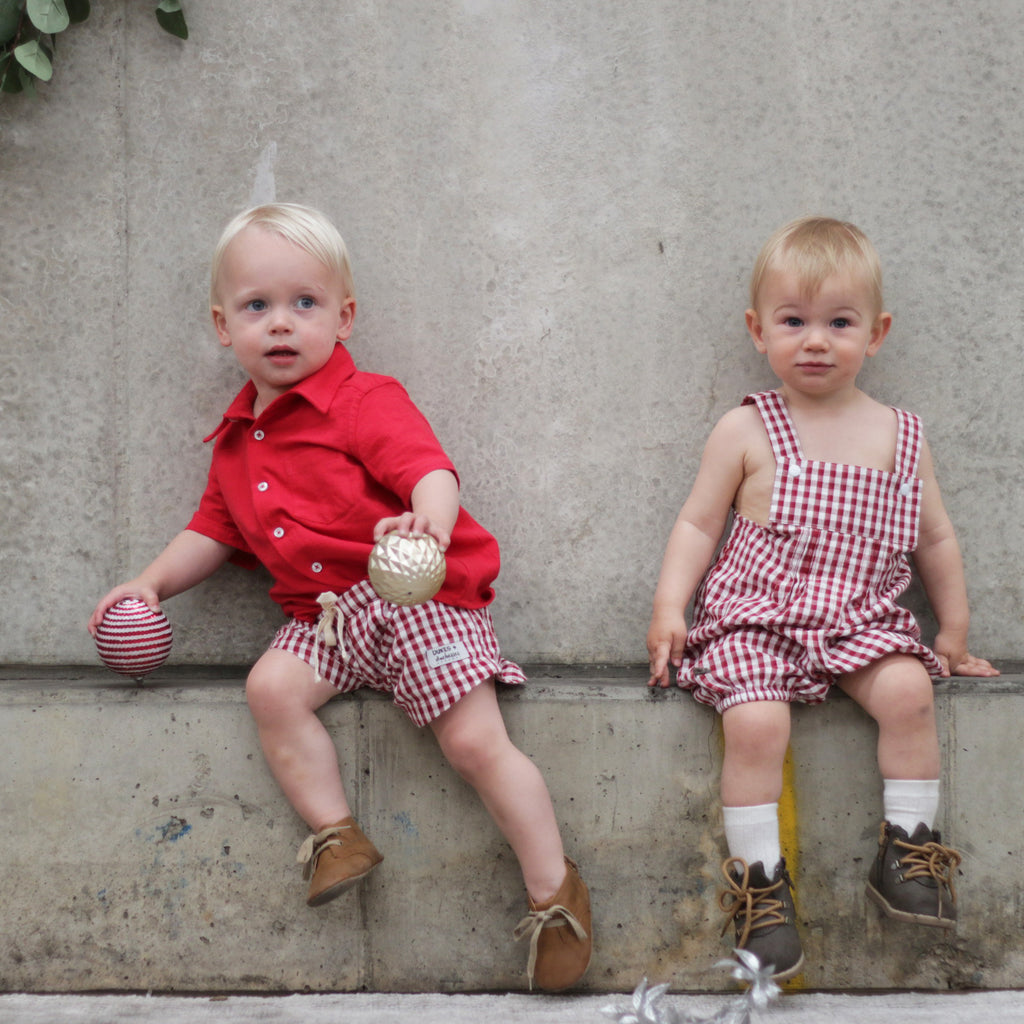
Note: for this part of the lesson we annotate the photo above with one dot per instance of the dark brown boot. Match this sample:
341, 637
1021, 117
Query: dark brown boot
559, 931
336, 858
763, 913
911, 879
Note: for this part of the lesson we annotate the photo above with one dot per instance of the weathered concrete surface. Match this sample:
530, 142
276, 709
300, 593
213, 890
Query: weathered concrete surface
553, 209
376, 1008
146, 847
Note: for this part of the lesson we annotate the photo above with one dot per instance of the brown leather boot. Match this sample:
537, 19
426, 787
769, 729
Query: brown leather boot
762, 910
337, 858
911, 878
560, 934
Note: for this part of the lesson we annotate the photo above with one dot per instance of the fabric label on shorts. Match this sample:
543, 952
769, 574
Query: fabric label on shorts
446, 655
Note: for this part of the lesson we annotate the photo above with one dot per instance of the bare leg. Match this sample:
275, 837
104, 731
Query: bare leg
283, 700
756, 739
897, 693
472, 736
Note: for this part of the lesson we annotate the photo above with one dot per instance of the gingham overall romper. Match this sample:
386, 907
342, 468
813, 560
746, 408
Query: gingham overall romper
789, 606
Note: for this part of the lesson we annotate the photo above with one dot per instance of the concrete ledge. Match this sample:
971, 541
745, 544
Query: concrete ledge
147, 848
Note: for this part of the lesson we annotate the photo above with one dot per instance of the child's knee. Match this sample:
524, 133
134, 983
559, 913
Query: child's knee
472, 753
262, 695
270, 691
910, 707
908, 697
757, 730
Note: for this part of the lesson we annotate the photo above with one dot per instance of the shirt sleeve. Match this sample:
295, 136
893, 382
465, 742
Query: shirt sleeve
213, 520
394, 441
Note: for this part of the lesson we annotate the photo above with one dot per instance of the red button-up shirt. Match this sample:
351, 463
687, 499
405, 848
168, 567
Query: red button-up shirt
300, 488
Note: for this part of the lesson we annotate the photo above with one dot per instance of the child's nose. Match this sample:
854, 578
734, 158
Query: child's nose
280, 320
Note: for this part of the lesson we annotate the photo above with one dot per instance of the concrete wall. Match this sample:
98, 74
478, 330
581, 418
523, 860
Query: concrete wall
145, 845
552, 209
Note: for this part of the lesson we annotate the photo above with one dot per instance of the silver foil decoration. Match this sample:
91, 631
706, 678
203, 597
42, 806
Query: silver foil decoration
746, 968
645, 1008
406, 570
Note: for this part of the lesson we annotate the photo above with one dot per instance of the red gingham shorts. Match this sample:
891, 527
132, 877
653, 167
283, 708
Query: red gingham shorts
427, 655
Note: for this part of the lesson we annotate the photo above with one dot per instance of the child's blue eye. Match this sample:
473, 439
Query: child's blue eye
793, 321
840, 322
306, 302
256, 306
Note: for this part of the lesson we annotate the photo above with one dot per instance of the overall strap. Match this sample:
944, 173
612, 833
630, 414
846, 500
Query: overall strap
778, 423
909, 434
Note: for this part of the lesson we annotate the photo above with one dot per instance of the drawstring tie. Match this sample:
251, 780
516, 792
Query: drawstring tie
330, 629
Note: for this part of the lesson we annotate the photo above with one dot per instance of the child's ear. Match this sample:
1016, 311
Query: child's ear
756, 331
220, 325
346, 317
879, 330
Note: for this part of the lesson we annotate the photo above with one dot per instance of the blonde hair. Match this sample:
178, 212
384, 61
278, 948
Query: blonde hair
305, 227
815, 248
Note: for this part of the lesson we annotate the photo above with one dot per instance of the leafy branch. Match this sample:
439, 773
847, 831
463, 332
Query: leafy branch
29, 30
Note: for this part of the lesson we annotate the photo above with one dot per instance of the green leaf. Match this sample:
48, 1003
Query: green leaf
172, 18
16, 79
33, 59
10, 17
49, 16
10, 81
28, 83
78, 10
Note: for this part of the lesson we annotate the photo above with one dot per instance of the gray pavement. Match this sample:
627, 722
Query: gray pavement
388, 1008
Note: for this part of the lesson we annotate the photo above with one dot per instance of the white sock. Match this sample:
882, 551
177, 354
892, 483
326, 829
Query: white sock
908, 802
753, 834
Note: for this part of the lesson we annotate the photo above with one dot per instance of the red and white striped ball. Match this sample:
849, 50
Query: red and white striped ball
133, 639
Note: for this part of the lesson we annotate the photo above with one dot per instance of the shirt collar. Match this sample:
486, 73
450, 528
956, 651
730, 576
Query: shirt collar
318, 389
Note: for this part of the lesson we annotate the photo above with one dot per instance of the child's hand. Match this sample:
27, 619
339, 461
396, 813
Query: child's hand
972, 666
665, 641
134, 588
409, 524
956, 660
969, 665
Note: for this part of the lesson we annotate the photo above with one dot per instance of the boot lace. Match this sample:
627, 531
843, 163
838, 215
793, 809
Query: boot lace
314, 845
930, 860
754, 907
536, 921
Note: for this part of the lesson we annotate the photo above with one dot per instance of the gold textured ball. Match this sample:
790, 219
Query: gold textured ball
406, 570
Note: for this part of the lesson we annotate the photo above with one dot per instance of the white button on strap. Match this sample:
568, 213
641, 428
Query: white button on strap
795, 468
905, 490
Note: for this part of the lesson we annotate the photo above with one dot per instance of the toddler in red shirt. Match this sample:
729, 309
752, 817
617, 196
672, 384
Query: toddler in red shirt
313, 462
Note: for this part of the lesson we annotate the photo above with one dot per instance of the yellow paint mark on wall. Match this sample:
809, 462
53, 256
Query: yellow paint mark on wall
788, 818
789, 838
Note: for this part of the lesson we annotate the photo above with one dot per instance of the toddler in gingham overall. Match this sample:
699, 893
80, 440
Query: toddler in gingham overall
829, 491
314, 461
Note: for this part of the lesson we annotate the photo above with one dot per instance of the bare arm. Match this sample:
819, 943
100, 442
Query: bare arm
693, 540
687, 557
189, 559
940, 566
435, 507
